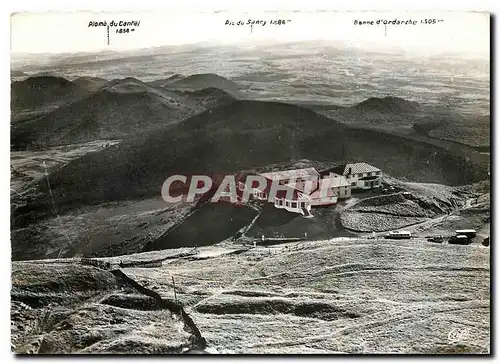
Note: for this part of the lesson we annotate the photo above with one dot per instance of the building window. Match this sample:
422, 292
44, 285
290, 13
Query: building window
369, 174
294, 205
353, 183
367, 184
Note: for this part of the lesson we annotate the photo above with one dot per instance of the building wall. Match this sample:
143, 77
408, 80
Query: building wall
341, 191
329, 200
297, 201
344, 191
292, 206
368, 184
356, 183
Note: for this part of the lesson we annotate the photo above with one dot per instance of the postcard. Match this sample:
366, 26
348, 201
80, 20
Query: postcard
287, 182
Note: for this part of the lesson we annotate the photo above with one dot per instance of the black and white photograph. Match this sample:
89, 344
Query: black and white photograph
260, 182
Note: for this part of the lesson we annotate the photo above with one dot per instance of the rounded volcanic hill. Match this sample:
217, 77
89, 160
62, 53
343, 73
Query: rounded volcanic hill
102, 115
127, 84
41, 90
387, 105
166, 81
89, 83
239, 136
119, 109
206, 80
17, 73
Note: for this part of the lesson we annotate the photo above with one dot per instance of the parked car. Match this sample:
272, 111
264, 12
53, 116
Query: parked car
436, 239
470, 233
460, 240
398, 235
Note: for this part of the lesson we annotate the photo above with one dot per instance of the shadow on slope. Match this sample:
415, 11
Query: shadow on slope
242, 135
209, 225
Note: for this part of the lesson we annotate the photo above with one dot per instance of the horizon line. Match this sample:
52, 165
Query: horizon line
348, 45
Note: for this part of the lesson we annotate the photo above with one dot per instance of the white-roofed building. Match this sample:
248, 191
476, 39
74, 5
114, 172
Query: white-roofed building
292, 175
302, 189
359, 175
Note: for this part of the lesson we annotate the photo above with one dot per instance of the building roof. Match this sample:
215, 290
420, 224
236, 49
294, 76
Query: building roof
318, 195
313, 186
300, 186
292, 173
354, 168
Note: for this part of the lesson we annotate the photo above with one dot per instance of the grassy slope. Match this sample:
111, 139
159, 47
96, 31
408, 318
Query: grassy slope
355, 296
335, 296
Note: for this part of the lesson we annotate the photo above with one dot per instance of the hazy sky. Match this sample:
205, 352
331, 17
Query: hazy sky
69, 32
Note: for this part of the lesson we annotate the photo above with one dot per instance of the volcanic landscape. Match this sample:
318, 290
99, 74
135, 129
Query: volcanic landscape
102, 264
